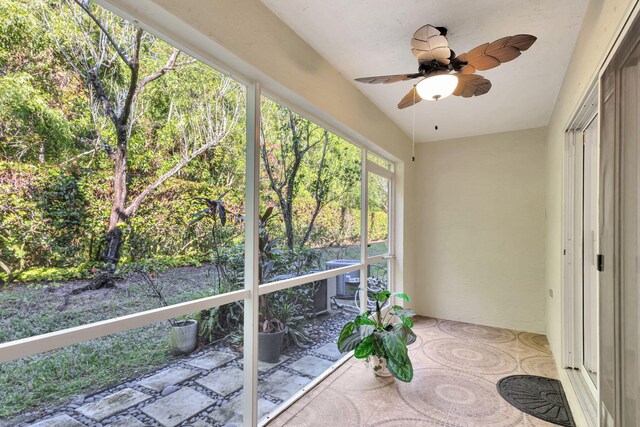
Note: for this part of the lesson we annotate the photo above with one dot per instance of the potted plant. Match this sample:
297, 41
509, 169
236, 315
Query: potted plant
271, 329
381, 339
183, 338
183, 335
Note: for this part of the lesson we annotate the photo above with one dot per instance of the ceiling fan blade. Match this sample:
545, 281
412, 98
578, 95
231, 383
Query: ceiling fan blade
429, 43
393, 78
490, 55
471, 85
410, 99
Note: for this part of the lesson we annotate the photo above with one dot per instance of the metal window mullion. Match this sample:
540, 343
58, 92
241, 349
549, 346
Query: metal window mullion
280, 285
364, 230
391, 240
568, 296
251, 265
379, 170
53, 340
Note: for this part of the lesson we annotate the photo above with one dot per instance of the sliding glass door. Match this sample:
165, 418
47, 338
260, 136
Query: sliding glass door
589, 345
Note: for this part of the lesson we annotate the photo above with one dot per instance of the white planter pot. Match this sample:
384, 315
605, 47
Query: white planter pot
184, 337
379, 366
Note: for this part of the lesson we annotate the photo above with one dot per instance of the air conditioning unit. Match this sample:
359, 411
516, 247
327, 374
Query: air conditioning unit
343, 285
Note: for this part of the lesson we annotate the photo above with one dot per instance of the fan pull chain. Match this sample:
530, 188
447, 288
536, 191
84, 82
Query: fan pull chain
413, 127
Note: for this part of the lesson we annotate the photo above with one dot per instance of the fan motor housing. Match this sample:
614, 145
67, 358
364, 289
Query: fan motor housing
433, 67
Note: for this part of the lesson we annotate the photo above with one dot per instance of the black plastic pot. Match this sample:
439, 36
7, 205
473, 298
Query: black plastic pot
270, 346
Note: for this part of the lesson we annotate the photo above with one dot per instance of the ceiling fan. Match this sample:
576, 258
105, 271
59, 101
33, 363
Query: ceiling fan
443, 73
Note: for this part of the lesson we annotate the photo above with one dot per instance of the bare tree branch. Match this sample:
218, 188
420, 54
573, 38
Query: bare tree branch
85, 153
131, 209
134, 65
277, 188
94, 81
170, 65
104, 30
317, 192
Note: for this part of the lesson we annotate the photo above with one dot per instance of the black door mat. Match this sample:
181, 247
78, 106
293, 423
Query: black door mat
540, 397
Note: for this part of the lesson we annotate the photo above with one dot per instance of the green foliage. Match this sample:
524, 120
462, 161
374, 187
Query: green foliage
305, 170
41, 98
289, 308
54, 274
28, 123
372, 334
56, 169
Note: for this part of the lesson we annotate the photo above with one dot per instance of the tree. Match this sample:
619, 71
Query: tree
118, 62
35, 123
303, 160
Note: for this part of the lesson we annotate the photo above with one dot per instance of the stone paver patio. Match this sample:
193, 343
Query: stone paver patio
168, 377
224, 381
178, 407
63, 420
310, 366
127, 421
200, 390
283, 385
231, 414
112, 404
211, 360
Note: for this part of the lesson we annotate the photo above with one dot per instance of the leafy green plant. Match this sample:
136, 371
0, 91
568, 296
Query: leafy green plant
221, 322
214, 211
287, 309
377, 336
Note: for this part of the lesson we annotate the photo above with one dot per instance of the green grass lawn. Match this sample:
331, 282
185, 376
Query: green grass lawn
54, 377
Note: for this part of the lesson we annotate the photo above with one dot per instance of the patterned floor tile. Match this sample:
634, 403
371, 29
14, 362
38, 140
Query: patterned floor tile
456, 368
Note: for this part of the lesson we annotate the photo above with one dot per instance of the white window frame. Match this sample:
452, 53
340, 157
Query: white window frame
252, 289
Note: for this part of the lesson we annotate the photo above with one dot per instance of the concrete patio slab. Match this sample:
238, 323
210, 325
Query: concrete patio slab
63, 420
231, 413
167, 377
283, 385
311, 366
211, 360
224, 381
329, 350
112, 404
265, 366
177, 407
127, 421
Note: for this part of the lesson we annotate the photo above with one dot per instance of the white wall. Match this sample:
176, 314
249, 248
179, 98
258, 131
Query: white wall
480, 231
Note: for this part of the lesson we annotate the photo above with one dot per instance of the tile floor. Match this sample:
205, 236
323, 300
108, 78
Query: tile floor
456, 367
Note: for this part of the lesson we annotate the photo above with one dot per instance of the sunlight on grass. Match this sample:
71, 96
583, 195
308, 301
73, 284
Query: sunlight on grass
54, 377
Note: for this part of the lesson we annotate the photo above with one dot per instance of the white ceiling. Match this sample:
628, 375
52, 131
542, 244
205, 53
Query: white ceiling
372, 37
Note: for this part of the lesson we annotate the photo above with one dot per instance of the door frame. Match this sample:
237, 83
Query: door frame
572, 252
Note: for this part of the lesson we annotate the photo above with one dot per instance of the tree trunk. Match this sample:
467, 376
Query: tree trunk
113, 239
287, 216
111, 253
41, 152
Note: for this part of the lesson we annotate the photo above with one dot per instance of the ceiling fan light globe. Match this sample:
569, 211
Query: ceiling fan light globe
437, 87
